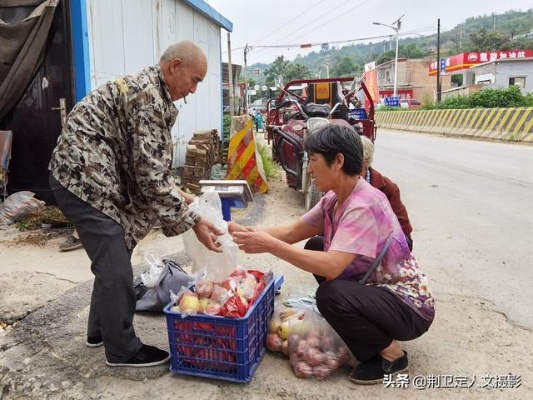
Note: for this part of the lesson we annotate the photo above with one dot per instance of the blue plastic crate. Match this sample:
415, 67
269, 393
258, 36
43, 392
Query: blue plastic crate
220, 347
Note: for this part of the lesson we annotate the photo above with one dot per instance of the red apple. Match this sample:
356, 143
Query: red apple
273, 342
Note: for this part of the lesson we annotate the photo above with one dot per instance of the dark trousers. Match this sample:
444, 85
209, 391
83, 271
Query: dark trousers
367, 318
113, 297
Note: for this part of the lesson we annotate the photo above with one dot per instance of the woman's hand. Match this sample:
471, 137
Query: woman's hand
253, 240
235, 227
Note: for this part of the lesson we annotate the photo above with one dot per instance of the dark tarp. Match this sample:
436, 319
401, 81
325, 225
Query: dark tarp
22, 49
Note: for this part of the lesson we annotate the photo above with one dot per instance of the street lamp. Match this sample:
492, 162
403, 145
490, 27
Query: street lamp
246, 98
396, 25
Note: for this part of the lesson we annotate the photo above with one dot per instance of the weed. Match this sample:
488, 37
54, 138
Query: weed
49, 215
268, 164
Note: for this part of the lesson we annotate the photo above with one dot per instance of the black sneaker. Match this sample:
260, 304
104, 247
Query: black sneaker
372, 371
94, 341
146, 356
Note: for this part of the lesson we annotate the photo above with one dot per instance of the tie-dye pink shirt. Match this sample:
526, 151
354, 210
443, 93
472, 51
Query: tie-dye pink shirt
362, 225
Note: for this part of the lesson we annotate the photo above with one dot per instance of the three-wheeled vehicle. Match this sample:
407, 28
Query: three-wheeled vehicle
306, 105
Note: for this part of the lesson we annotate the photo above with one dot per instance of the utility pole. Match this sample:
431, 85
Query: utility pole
438, 60
231, 87
246, 50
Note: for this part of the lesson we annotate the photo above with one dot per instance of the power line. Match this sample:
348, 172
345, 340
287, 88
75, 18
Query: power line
305, 45
315, 27
312, 26
299, 16
331, 42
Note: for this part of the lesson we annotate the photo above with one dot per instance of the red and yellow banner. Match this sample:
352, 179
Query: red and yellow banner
371, 81
244, 161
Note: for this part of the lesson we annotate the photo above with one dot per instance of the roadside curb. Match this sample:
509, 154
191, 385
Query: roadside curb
504, 124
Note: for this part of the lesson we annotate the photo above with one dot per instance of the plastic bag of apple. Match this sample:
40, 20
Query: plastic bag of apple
230, 298
315, 350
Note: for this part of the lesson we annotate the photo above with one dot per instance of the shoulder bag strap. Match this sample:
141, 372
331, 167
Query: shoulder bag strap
376, 261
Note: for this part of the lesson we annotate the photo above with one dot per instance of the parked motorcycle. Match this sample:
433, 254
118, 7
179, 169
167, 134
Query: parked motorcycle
294, 115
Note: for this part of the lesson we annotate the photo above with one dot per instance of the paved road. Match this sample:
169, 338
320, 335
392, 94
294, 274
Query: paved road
471, 205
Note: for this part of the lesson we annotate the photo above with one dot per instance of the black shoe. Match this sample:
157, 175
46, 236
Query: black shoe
372, 371
146, 356
70, 244
94, 341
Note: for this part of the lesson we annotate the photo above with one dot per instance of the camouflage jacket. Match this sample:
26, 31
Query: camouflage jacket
115, 153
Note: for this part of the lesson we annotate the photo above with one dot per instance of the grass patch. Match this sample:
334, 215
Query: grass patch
269, 166
49, 215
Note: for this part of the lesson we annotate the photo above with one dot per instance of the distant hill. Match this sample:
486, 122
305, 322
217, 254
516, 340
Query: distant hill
510, 30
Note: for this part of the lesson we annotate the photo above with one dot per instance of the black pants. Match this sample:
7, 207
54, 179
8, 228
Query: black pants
367, 318
113, 297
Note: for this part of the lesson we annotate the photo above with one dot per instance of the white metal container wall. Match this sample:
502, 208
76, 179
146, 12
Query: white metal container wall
127, 35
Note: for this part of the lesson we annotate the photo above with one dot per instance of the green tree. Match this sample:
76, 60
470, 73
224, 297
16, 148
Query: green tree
456, 38
520, 43
387, 56
277, 68
345, 67
410, 51
289, 71
484, 40
296, 71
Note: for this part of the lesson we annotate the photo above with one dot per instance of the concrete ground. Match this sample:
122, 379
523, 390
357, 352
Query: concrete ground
44, 297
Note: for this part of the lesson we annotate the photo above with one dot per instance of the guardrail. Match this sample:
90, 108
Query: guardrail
507, 124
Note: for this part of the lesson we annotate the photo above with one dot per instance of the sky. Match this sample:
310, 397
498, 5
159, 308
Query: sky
288, 24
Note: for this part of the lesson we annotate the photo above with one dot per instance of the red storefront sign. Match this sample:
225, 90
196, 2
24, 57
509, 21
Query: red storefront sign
462, 61
401, 93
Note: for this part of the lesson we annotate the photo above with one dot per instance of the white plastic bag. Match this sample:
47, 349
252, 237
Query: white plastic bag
215, 266
150, 277
18, 206
154, 288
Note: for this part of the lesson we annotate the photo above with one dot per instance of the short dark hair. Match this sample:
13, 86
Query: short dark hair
331, 140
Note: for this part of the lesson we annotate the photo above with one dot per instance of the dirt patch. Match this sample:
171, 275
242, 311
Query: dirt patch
39, 238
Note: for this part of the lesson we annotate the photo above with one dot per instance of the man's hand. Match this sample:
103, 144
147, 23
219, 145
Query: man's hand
189, 198
207, 234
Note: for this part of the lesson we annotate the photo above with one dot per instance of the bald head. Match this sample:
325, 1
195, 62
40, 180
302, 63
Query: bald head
184, 66
368, 149
368, 154
186, 51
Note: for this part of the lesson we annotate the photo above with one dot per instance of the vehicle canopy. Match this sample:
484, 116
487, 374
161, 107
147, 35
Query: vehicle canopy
352, 92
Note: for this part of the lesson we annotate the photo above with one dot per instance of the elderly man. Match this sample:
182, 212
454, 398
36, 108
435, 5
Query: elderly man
111, 176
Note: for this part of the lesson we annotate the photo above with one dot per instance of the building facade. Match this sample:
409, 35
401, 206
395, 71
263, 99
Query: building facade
413, 80
504, 73
88, 43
